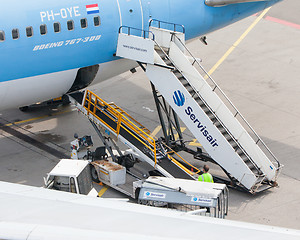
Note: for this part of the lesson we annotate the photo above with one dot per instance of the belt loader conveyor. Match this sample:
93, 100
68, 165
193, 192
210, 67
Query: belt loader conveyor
113, 122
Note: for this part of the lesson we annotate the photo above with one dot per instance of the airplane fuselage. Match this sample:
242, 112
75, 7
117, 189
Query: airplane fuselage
51, 47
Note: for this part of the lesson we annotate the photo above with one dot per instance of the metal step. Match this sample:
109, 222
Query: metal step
198, 100
159, 50
263, 187
168, 62
260, 185
177, 73
235, 146
244, 157
222, 130
189, 88
205, 108
210, 115
181, 79
213, 119
186, 84
260, 179
249, 164
228, 137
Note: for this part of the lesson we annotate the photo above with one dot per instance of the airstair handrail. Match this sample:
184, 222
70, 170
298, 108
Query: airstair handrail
137, 29
216, 86
174, 24
121, 120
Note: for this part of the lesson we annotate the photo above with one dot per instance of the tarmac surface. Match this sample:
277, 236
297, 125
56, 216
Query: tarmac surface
261, 77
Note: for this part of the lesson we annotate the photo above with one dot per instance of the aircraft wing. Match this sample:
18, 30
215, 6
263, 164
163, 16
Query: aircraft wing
37, 213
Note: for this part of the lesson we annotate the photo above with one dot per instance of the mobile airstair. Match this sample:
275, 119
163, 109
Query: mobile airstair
114, 121
201, 104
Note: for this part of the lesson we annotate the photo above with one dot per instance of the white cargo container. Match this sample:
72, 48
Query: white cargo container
110, 172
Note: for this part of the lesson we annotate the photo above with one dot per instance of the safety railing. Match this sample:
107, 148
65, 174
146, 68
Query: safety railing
143, 32
171, 151
121, 111
236, 112
92, 103
159, 23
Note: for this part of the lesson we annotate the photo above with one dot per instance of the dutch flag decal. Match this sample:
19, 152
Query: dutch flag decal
92, 9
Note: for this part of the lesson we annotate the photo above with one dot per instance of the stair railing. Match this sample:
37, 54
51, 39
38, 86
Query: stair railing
137, 29
159, 22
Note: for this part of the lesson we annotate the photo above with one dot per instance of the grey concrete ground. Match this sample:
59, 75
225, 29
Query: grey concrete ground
260, 77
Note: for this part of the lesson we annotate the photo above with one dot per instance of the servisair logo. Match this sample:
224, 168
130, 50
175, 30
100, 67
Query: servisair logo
178, 98
154, 195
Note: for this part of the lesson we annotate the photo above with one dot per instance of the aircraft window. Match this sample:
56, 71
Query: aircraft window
56, 26
83, 23
29, 31
43, 29
70, 25
2, 36
15, 33
97, 21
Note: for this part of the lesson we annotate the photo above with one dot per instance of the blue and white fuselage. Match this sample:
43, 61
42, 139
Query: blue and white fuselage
51, 47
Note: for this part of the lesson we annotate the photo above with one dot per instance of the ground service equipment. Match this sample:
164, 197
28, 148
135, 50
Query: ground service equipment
71, 176
197, 198
197, 100
194, 197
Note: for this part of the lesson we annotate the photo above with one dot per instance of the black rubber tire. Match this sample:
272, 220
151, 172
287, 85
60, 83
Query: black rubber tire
65, 100
137, 193
94, 175
24, 108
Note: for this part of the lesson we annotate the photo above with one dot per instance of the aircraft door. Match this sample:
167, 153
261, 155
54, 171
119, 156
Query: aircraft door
131, 15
